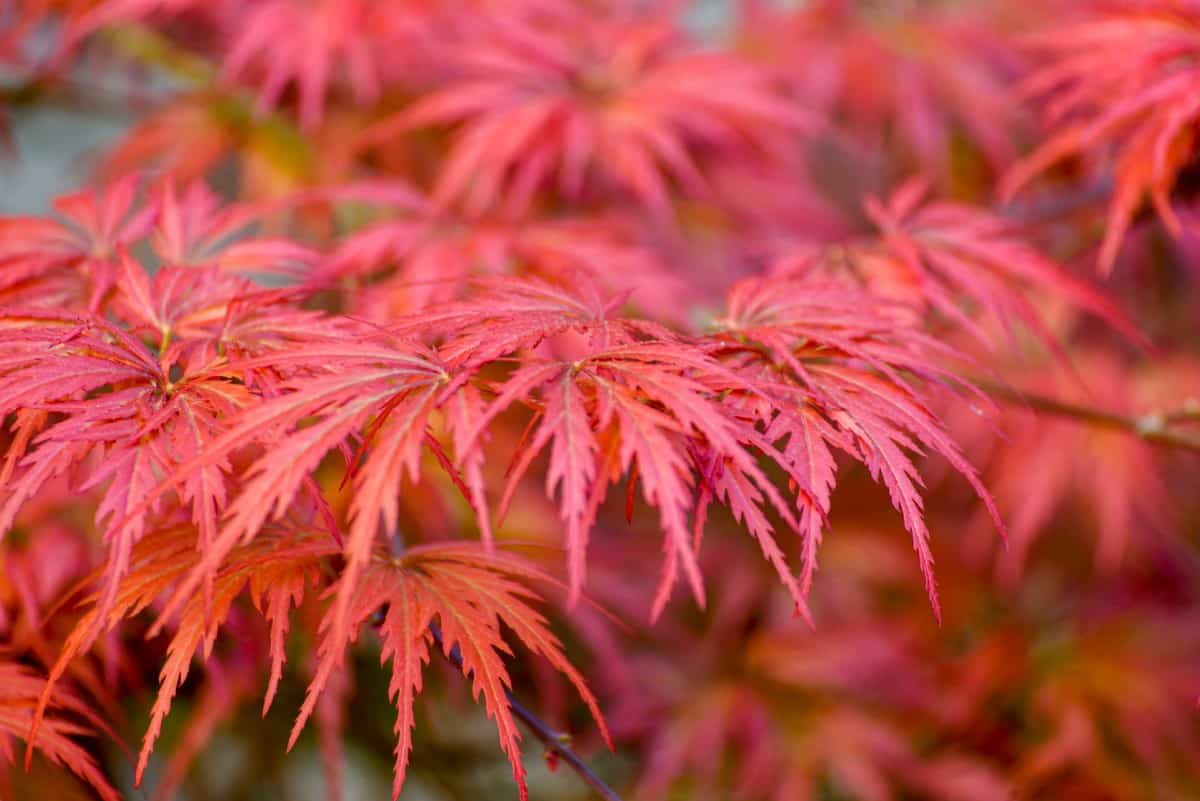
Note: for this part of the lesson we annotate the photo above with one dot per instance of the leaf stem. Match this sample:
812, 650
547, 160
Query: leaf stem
555, 742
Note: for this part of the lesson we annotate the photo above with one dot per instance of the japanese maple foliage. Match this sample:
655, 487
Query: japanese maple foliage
410, 332
1151, 126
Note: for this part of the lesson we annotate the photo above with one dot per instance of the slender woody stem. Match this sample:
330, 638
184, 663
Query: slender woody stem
1050, 207
1151, 427
555, 742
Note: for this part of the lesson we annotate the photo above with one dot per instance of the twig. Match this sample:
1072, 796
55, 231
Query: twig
555, 742
1052, 206
1189, 413
1150, 427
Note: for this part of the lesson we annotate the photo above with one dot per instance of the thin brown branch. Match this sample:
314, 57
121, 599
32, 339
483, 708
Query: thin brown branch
1052, 206
555, 742
1152, 427
1189, 413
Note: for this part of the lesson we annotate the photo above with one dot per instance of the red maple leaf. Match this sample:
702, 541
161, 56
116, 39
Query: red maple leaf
834, 371
577, 99
901, 81
72, 259
1143, 107
64, 717
424, 256
948, 257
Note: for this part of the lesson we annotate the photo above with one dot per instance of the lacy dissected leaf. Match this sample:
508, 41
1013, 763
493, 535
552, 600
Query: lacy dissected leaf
652, 398
384, 389
463, 414
312, 45
588, 395
836, 370
203, 318
276, 568
226, 684
71, 260
195, 227
633, 384
124, 407
911, 83
1142, 106
455, 597
75, 260
65, 718
578, 99
425, 257
801, 370
199, 318
955, 259
112, 410
277, 573
520, 313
